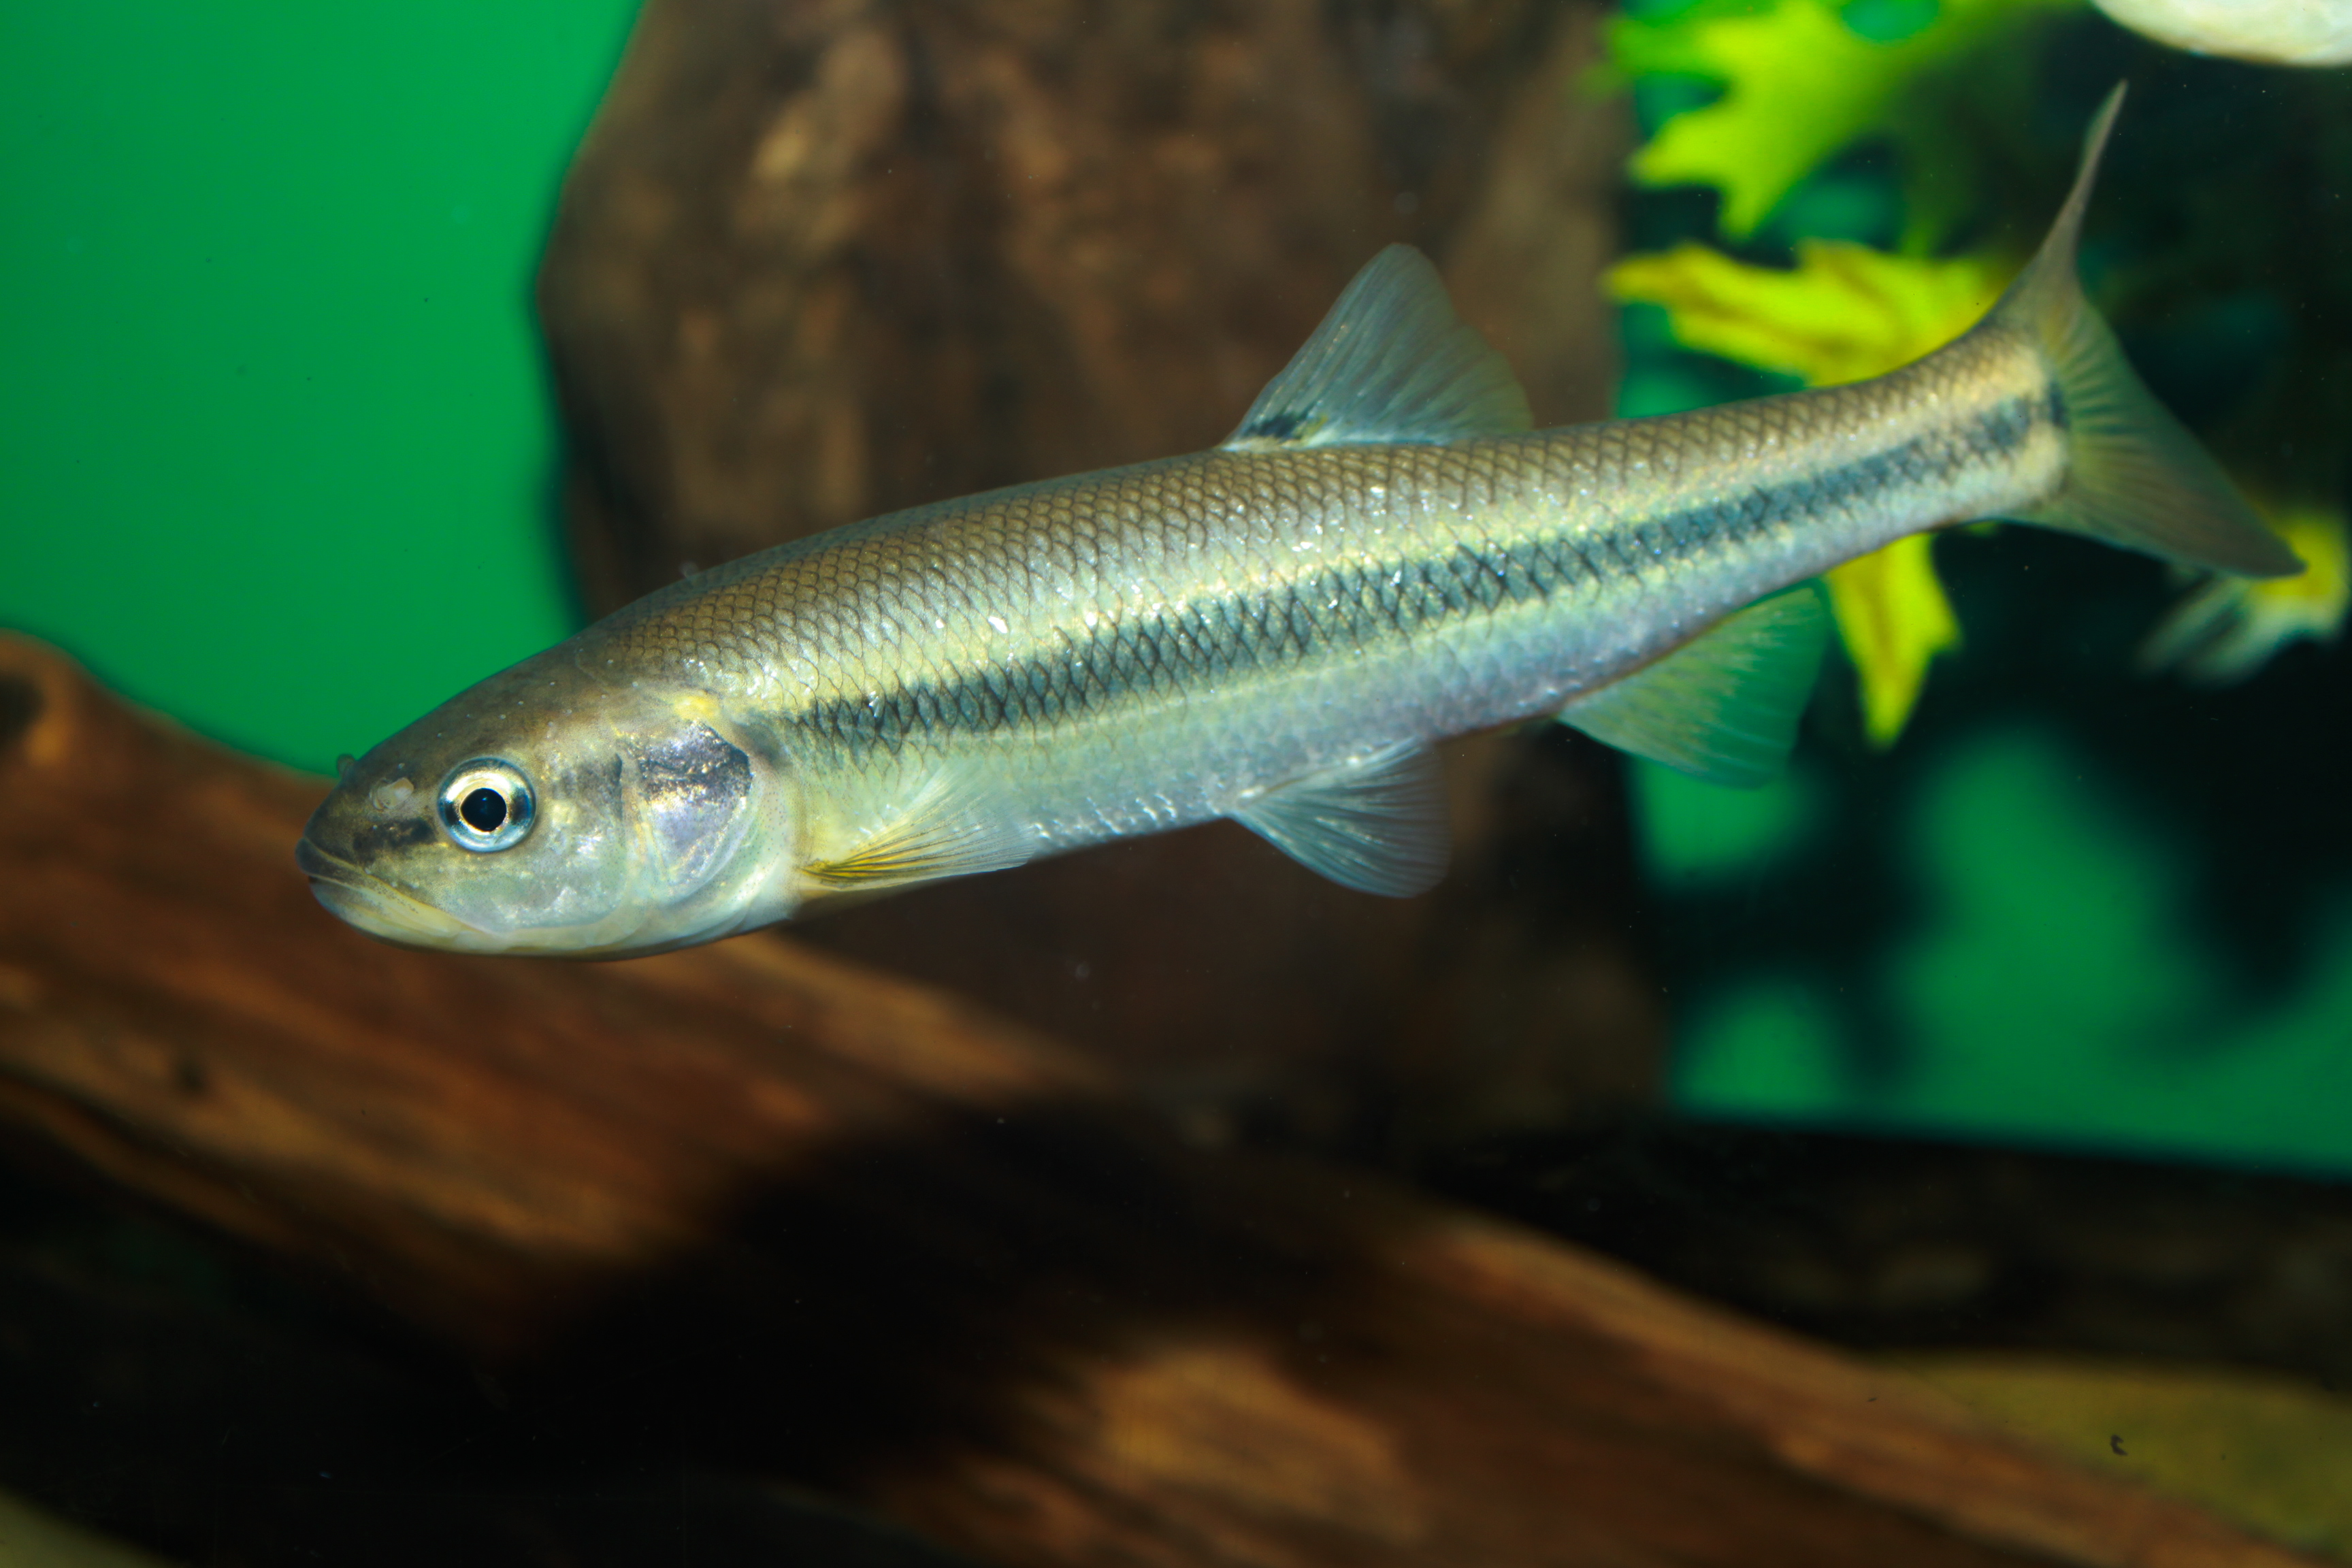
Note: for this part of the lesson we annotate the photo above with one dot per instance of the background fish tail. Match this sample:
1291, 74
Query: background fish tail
2135, 477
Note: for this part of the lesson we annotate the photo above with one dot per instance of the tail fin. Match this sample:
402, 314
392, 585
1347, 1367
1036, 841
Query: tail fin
2134, 475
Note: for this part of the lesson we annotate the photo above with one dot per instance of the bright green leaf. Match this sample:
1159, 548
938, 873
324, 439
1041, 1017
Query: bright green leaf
1801, 84
1845, 312
1892, 612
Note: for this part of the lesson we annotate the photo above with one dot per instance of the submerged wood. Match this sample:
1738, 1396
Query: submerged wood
1888, 1242
815, 262
840, 1230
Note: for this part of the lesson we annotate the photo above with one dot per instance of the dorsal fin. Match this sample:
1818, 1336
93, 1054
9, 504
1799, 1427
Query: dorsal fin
1390, 363
1724, 706
1377, 825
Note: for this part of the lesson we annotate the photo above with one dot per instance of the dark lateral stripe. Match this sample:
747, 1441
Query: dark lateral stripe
1211, 640
1354, 608
1995, 435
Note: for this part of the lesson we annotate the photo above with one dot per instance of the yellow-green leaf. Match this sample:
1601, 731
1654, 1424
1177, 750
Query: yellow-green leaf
1844, 313
1800, 85
1892, 612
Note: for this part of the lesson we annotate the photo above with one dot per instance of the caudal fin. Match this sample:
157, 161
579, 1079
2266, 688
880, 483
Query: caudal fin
2134, 475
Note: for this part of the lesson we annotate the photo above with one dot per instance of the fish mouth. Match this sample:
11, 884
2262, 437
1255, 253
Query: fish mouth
388, 914
382, 910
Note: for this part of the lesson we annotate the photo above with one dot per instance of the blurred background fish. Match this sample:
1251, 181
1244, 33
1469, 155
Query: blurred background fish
2268, 32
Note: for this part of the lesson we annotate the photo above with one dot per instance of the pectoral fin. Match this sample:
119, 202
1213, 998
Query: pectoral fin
1377, 825
1723, 707
934, 832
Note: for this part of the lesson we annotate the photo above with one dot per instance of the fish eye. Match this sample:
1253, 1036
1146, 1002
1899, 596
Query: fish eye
487, 805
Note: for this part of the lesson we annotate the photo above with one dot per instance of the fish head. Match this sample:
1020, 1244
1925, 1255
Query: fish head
547, 810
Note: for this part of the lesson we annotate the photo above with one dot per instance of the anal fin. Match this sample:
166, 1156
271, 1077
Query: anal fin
1377, 825
1723, 707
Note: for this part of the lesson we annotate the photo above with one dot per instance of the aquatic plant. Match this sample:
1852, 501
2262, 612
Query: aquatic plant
2046, 918
1775, 93
1803, 79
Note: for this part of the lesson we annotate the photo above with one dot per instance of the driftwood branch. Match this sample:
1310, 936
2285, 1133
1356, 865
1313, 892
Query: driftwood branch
847, 1233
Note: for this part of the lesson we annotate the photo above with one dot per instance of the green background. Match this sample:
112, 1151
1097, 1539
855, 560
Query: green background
275, 451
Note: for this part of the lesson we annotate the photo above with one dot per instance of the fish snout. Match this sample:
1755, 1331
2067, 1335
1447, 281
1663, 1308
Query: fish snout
379, 909
314, 862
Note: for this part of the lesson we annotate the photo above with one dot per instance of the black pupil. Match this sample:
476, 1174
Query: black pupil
484, 810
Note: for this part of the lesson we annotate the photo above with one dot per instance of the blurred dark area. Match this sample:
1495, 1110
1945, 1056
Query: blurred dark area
1882, 1243
187, 1394
199, 1397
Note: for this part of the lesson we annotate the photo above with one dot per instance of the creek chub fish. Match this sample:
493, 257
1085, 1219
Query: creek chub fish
1384, 554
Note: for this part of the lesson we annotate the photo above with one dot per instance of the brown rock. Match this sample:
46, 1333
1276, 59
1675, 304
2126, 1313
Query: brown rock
818, 261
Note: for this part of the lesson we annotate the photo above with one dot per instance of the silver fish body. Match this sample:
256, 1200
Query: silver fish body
1146, 647
1274, 631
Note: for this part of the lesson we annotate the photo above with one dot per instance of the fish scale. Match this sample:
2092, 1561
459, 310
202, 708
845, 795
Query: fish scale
1352, 552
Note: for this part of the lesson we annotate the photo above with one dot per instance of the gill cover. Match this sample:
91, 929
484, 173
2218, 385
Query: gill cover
691, 791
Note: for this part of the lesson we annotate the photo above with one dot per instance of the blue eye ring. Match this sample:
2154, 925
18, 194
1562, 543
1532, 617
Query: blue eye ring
486, 805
